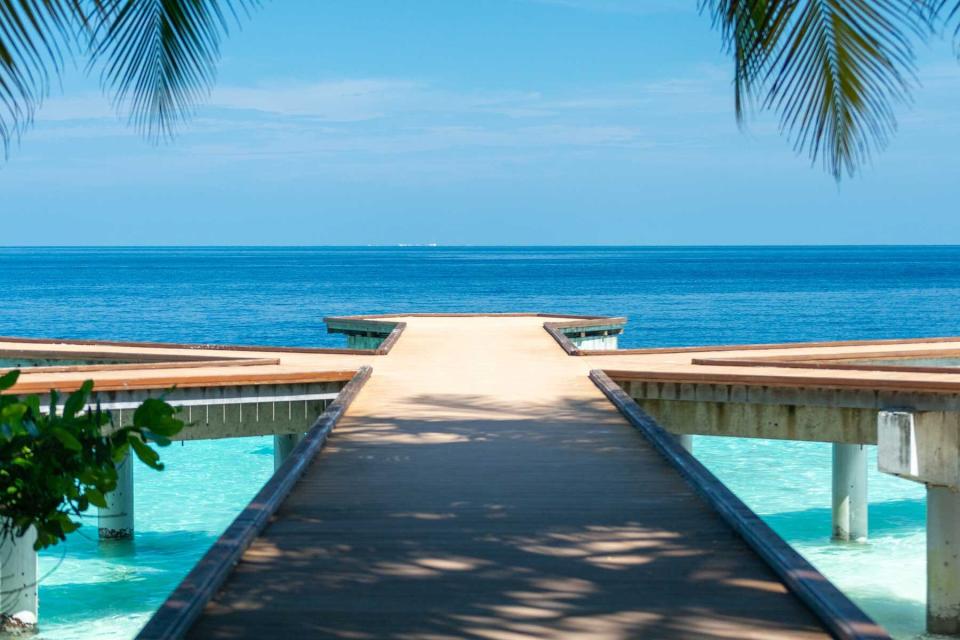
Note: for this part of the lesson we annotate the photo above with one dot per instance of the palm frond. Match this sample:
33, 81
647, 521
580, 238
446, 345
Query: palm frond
160, 56
832, 69
751, 31
944, 12
33, 37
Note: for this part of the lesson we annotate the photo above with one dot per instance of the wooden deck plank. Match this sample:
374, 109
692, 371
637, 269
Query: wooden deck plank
480, 486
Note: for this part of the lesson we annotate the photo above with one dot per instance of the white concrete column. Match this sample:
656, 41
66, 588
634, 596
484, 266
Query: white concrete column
116, 521
18, 578
684, 440
943, 560
850, 492
282, 446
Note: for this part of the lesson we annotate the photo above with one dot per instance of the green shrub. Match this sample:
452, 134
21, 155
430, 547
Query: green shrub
54, 466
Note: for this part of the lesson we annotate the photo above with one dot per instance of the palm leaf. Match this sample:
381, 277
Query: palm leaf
943, 11
832, 69
160, 56
33, 37
751, 31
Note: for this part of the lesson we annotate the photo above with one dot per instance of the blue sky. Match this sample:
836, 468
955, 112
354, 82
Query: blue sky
474, 122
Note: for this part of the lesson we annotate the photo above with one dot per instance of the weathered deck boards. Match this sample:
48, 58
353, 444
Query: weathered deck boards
481, 486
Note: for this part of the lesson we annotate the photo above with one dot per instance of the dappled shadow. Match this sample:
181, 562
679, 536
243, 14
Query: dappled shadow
498, 522
480, 419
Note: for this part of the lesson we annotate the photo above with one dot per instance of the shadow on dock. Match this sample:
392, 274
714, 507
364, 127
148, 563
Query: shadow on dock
488, 522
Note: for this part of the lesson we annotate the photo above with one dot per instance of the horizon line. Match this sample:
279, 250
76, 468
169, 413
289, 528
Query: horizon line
481, 246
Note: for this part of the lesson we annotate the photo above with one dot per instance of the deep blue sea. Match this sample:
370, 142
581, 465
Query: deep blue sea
673, 296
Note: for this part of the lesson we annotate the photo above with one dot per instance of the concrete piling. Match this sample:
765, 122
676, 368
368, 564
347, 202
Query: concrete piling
115, 522
18, 578
943, 560
282, 446
850, 492
685, 441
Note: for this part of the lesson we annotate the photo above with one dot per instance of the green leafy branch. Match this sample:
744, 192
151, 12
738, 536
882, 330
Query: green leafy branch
55, 466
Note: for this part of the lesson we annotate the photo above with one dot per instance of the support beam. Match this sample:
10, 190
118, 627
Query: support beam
924, 446
116, 520
685, 441
850, 492
282, 446
743, 419
943, 560
18, 578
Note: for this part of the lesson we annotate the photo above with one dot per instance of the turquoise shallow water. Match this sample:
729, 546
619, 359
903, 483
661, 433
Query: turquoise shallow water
674, 296
178, 515
788, 484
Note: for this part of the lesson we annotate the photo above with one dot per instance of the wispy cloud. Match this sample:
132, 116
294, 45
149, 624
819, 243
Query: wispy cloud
87, 106
354, 100
354, 118
339, 100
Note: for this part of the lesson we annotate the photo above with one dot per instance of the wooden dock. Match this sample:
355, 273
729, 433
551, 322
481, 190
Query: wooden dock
481, 485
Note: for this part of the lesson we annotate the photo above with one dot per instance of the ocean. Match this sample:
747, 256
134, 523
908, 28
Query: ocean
674, 296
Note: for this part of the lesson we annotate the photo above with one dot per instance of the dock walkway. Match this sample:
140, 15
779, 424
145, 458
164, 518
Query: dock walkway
481, 486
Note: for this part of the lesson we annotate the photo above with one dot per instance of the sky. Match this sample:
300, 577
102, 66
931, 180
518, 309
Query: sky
473, 122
